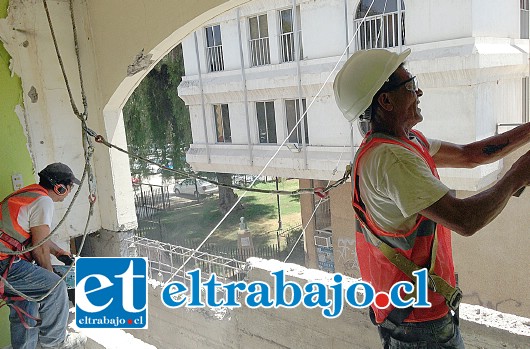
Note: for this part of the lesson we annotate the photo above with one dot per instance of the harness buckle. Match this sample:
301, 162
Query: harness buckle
454, 302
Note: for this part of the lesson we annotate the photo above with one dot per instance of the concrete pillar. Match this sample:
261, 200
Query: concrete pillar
107, 243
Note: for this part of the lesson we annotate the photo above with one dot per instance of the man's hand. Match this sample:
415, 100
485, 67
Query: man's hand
62, 255
56, 250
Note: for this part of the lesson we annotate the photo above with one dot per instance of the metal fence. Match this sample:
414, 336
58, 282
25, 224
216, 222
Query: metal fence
240, 254
165, 259
150, 227
154, 229
380, 31
149, 199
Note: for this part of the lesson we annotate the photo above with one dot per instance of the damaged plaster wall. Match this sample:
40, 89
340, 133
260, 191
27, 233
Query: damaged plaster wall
52, 130
12, 133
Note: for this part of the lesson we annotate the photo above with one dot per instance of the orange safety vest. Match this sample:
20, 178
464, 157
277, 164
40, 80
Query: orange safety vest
12, 235
375, 268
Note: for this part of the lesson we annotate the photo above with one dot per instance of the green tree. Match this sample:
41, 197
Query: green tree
157, 125
157, 122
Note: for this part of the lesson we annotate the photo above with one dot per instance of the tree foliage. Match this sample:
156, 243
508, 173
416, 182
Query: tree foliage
157, 125
157, 122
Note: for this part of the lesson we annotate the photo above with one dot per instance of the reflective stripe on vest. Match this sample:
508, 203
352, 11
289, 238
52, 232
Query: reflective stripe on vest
9, 210
415, 244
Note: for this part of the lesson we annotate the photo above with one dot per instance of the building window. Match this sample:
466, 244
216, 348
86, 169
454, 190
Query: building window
266, 122
293, 114
524, 19
214, 46
287, 39
259, 40
380, 29
222, 123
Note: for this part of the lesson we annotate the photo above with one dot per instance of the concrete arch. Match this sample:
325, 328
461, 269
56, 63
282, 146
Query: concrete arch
154, 30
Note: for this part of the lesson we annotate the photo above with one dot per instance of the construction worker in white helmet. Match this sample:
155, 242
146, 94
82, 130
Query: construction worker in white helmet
404, 213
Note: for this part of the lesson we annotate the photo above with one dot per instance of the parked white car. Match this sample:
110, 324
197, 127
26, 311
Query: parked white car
187, 186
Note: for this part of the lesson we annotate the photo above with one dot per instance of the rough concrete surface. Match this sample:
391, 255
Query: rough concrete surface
295, 328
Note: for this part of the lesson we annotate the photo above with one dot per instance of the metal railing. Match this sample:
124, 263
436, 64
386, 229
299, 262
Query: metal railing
149, 199
165, 259
215, 58
287, 49
259, 52
379, 31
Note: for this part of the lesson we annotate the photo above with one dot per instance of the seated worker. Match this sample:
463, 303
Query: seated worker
26, 219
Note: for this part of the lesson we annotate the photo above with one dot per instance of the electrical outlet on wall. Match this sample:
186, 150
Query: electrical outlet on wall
18, 183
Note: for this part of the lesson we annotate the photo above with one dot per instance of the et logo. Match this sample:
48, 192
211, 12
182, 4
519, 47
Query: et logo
111, 292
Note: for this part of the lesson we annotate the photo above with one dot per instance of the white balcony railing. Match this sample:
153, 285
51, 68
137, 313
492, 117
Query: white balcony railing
287, 46
379, 31
215, 58
259, 52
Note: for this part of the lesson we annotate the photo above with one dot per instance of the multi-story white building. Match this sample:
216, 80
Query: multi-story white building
252, 72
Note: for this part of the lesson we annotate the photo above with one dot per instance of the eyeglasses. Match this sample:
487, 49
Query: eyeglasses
410, 84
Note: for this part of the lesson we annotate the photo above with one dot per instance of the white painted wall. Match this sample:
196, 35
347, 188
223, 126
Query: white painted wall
324, 118
188, 52
431, 20
504, 15
330, 14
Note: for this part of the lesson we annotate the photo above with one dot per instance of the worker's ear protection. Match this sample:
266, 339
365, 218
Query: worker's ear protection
58, 188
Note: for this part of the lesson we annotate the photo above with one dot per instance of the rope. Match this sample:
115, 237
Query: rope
348, 168
81, 116
382, 22
88, 150
346, 175
101, 139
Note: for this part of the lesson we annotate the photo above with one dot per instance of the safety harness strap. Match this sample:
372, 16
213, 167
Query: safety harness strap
452, 295
15, 246
5, 300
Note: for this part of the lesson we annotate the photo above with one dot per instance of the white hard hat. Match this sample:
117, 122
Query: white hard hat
361, 77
